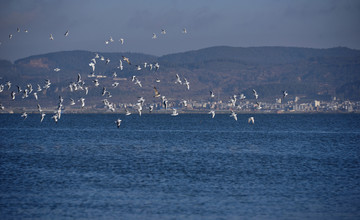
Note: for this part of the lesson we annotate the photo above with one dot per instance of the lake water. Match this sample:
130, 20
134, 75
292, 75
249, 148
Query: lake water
184, 167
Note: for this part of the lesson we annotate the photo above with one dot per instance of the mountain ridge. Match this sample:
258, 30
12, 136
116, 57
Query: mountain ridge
308, 73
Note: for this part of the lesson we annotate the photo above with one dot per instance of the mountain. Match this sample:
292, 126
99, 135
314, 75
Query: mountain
304, 72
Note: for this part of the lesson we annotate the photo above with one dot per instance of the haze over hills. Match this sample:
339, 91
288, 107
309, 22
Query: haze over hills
304, 72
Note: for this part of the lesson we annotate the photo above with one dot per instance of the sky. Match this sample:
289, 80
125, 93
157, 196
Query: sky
238, 23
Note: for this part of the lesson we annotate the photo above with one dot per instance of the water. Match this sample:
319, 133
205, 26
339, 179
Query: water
184, 167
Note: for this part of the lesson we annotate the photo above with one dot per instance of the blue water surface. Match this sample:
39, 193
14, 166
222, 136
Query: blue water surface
185, 167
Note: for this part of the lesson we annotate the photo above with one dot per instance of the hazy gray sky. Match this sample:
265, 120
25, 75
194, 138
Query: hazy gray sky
300, 23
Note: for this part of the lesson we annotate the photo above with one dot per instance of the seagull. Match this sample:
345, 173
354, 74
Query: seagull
92, 64
42, 117
141, 101
233, 114
233, 100
104, 91
72, 101
111, 39
35, 95
86, 90
165, 103
138, 67
118, 122
39, 108
242, 96
174, 113
138, 82
212, 95
157, 66
127, 112
18, 30
82, 100
26, 31
251, 120
184, 31
126, 59
13, 95
139, 109
39, 89
157, 94
184, 102
57, 69
212, 112
178, 80
8, 84
55, 117
115, 84
255, 94
121, 67
154, 36
114, 75
187, 84
284, 94
96, 81
151, 108
66, 33
47, 84
24, 115
2, 107
107, 61
257, 105
163, 31
2, 88
121, 40
157, 80
10, 36
51, 37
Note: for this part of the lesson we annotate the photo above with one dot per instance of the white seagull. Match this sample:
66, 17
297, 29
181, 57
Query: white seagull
174, 113
251, 120
42, 117
118, 122
66, 33
255, 94
212, 112
178, 80
24, 115
154, 36
51, 37
234, 115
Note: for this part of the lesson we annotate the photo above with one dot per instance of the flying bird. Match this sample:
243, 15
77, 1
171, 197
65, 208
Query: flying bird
24, 115
184, 31
42, 117
118, 122
212, 112
178, 80
66, 33
126, 59
255, 94
234, 115
157, 94
51, 37
212, 95
174, 113
251, 120
285, 93
154, 36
